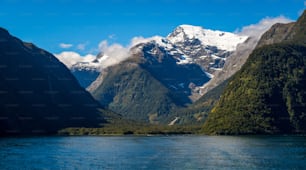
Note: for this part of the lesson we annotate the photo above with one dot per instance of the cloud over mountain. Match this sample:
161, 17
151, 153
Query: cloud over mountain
256, 30
115, 53
70, 57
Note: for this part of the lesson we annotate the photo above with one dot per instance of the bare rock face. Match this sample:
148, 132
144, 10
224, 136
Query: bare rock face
233, 63
207, 48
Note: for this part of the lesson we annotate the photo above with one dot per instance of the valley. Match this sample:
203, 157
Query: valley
192, 81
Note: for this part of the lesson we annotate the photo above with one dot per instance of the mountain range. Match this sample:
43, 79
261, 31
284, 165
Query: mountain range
222, 82
187, 44
164, 74
189, 62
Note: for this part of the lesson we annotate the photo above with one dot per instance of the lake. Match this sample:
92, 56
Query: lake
154, 152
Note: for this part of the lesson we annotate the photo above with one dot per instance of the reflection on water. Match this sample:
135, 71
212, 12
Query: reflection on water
157, 152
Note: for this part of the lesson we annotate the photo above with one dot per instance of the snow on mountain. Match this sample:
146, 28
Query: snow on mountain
222, 40
205, 47
187, 44
92, 64
70, 58
193, 44
85, 68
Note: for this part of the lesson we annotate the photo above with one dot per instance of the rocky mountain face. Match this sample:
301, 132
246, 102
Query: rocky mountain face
133, 92
212, 90
38, 94
187, 44
204, 47
176, 66
233, 64
85, 77
148, 84
235, 60
268, 94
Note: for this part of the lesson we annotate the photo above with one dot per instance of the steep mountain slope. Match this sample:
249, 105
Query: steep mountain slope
211, 91
85, 76
85, 68
132, 91
233, 63
179, 78
148, 84
268, 94
278, 33
235, 60
207, 48
176, 65
197, 112
292, 32
38, 94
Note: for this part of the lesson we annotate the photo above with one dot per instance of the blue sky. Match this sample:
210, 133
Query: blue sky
85, 23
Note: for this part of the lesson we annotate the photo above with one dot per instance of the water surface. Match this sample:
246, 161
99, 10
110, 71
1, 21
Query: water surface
157, 152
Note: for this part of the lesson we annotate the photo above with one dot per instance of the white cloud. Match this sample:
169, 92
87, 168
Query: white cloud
82, 46
115, 53
304, 3
256, 30
64, 45
69, 58
140, 39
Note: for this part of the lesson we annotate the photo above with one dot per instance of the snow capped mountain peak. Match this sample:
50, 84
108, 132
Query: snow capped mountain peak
194, 45
70, 58
186, 45
189, 31
206, 37
90, 64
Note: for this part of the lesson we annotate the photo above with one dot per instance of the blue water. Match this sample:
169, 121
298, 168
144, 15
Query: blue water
157, 152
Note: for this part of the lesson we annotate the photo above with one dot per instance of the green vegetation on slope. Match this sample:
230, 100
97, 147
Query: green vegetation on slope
119, 126
148, 86
131, 91
196, 113
268, 95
